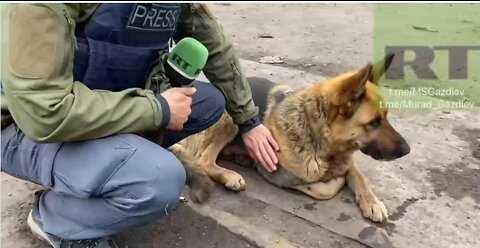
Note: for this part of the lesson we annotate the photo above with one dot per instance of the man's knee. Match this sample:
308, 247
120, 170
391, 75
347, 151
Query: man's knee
217, 104
210, 108
162, 194
156, 180
170, 182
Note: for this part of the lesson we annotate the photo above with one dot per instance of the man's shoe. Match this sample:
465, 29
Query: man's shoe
36, 227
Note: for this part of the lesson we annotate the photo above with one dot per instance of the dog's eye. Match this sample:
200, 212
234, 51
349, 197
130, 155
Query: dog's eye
375, 123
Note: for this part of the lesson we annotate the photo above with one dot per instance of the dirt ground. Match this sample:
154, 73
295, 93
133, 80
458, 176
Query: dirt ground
323, 39
316, 37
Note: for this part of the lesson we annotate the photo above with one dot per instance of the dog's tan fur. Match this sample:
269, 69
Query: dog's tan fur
318, 130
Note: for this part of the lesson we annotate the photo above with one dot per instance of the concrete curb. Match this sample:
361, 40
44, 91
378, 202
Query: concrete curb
257, 235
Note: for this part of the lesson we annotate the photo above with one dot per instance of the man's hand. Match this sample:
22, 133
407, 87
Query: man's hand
260, 145
179, 100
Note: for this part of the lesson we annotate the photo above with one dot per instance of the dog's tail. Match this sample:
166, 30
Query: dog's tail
200, 184
278, 93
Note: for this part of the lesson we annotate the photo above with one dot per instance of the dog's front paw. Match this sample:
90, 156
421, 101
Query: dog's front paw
233, 181
372, 208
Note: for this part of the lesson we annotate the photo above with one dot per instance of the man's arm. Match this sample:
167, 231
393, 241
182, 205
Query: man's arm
223, 67
38, 46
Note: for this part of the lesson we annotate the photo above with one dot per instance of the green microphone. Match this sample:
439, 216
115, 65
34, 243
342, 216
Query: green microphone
185, 62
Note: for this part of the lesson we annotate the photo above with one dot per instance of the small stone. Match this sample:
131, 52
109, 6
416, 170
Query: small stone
271, 60
307, 65
10, 194
265, 35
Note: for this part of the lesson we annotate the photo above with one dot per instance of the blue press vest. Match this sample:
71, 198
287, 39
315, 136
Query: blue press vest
120, 44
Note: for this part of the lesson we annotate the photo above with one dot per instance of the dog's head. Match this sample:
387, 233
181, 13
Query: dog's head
357, 115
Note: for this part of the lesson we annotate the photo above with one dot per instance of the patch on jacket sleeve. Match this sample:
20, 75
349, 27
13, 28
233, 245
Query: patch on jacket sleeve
33, 38
207, 10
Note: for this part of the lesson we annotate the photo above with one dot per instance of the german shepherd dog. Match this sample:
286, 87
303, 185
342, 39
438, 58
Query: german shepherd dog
318, 129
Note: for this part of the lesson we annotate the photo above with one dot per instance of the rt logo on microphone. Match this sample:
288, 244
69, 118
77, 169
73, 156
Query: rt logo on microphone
181, 63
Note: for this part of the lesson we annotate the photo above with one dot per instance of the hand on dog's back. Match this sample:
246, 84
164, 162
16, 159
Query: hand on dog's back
261, 146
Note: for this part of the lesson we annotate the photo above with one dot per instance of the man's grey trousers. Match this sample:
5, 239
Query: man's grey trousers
105, 186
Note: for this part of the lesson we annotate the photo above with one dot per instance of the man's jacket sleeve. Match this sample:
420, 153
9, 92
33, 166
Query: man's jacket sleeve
223, 67
38, 45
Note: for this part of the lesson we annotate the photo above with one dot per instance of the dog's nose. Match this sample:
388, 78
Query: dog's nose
404, 149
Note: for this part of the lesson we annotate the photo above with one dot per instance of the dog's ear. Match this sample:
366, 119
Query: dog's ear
380, 67
354, 86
